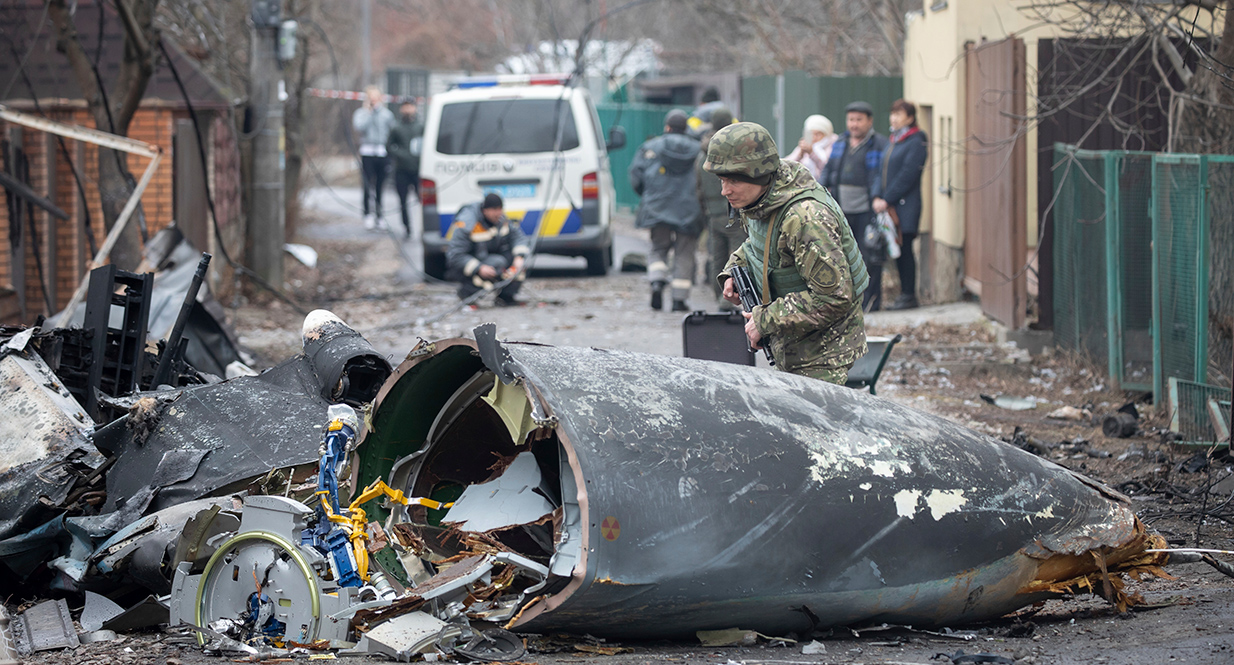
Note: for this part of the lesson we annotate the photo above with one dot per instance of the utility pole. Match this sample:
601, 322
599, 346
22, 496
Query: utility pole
266, 219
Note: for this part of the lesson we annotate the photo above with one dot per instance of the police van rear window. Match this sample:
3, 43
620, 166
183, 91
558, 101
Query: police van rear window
506, 125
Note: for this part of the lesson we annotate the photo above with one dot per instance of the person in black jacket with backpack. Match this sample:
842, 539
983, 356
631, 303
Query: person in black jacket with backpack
903, 163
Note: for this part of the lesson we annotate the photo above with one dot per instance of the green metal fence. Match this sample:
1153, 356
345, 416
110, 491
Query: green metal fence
1131, 261
805, 95
1080, 289
641, 122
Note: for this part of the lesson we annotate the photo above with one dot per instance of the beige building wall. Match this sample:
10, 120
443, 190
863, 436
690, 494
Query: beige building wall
934, 79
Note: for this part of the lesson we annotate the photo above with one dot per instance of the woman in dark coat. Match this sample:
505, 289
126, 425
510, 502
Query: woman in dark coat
903, 164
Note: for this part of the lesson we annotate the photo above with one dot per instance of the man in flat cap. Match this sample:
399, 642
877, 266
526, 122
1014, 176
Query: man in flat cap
854, 175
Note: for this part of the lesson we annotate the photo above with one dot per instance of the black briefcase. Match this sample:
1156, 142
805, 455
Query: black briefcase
716, 336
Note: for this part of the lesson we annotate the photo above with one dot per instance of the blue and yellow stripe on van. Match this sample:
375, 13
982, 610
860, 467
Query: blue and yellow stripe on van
553, 222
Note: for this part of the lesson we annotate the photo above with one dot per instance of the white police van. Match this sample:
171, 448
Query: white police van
535, 141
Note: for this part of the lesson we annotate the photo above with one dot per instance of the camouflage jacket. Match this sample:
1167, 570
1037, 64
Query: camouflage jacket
818, 331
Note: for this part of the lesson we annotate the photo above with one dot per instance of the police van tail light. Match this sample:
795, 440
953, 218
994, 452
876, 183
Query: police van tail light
591, 186
428, 192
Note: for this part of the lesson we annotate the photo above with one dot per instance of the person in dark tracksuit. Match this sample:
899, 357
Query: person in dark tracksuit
485, 247
903, 165
404, 146
854, 176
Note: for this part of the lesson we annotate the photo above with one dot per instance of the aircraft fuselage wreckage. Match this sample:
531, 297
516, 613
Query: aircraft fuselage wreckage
638, 496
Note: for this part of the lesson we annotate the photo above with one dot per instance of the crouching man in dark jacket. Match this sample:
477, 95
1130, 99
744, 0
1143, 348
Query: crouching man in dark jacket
486, 248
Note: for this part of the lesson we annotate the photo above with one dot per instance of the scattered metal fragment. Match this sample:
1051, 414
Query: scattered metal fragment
736, 637
814, 648
99, 609
212, 344
959, 657
43, 627
1119, 424
97, 636
407, 635
1068, 413
150, 611
492, 645
602, 650
1011, 403
513, 498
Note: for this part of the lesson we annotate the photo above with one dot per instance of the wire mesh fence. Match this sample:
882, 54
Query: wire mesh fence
1132, 260
1079, 253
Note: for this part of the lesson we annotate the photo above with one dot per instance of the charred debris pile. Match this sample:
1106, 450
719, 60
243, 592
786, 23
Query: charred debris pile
336, 503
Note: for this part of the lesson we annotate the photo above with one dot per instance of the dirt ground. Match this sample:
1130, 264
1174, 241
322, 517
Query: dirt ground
940, 368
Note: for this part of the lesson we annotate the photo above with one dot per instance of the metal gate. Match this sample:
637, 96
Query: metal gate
995, 223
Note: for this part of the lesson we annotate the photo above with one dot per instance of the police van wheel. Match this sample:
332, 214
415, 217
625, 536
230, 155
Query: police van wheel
599, 260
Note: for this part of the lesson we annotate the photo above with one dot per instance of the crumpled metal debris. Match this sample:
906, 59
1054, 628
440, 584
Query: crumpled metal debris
557, 489
66, 488
682, 491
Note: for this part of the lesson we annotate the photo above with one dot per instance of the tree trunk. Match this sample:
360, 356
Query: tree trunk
1208, 127
114, 110
293, 123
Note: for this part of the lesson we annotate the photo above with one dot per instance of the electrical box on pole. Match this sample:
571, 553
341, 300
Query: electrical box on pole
287, 40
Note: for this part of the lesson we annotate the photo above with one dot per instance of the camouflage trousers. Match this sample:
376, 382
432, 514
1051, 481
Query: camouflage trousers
831, 375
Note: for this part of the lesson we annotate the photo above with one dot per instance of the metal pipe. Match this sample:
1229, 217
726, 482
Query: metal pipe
173, 340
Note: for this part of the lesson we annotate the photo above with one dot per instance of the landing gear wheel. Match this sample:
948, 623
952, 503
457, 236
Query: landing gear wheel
264, 582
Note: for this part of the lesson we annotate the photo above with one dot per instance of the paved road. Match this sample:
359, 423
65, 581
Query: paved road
342, 204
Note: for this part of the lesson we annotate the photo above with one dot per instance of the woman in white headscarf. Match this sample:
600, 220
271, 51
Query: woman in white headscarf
815, 145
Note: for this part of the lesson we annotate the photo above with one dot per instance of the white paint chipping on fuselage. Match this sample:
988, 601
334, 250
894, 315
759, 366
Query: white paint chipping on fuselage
942, 502
939, 502
906, 502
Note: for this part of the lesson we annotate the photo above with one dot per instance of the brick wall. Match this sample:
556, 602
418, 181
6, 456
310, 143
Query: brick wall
62, 245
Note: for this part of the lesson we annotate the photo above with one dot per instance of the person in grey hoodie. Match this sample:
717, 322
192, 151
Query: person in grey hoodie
372, 122
662, 173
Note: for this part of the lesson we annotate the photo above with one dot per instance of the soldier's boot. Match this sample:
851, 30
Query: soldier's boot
904, 301
680, 306
657, 295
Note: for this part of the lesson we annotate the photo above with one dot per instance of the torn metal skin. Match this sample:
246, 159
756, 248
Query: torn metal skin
227, 437
690, 495
66, 487
45, 447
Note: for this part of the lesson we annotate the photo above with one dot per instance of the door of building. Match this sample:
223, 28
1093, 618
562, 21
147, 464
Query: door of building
995, 209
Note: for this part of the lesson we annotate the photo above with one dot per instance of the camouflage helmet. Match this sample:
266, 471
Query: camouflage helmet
744, 149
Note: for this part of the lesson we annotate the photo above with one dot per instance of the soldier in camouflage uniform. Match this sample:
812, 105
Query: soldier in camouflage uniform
801, 255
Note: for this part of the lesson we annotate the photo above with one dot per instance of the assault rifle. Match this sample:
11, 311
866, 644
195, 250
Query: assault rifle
744, 286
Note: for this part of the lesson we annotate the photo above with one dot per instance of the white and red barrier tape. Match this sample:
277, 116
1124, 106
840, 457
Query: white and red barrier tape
356, 95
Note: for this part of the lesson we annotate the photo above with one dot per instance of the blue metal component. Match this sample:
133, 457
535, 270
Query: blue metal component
333, 457
259, 618
344, 560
